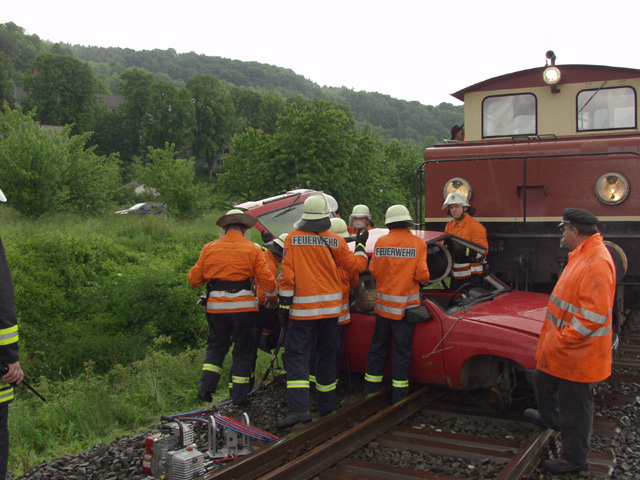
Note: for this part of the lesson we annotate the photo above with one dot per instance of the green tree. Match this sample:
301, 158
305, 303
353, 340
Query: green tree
405, 160
51, 171
256, 110
6, 65
62, 89
19, 46
214, 118
173, 180
170, 116
314, 147
135, 87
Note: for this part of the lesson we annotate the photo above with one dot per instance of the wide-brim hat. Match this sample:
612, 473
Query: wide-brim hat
236, 216
319, 225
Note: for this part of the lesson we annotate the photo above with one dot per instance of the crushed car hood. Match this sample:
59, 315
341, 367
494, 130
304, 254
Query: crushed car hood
524, 311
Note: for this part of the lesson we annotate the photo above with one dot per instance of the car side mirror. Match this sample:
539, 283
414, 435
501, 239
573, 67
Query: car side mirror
418, 314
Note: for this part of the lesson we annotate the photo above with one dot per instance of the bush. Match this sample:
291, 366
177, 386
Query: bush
103, 289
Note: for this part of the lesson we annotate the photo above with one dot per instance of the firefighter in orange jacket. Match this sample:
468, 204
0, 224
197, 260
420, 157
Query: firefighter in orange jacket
574, 349
468, 266
310, 304
360, 218
349, 280
399, 266
228, 266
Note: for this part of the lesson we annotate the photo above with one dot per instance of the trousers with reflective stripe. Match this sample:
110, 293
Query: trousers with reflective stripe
388, 332
224, 329
301, 337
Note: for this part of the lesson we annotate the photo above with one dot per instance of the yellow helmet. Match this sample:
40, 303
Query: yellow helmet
339, 227
315, 207
396, 214
280, 240
359, 211
455, 198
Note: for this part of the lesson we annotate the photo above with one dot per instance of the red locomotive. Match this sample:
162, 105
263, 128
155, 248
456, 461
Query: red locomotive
538, 141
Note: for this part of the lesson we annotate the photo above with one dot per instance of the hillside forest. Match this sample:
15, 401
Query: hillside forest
109, 329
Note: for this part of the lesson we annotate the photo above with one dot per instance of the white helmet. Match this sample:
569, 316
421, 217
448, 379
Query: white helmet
360, 211
339, 227
280, 240
397, 213
315, 208
455, 198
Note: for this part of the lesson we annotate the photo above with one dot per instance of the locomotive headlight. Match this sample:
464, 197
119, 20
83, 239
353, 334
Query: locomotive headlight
457, 184
612, 188
551, 75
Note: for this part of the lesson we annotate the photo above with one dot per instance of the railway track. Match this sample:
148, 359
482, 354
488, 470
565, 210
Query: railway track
327, 449
321, 450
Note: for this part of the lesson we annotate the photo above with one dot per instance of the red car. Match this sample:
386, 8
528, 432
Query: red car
472, 337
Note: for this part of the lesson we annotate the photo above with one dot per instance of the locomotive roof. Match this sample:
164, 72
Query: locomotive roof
533, 77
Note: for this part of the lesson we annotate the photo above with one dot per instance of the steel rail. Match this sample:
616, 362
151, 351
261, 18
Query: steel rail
326, 455
271, 456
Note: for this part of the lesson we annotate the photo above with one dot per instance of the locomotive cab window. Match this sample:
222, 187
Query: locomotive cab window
606, 109
508, 115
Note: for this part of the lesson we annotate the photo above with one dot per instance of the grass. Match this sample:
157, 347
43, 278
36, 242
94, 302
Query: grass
96, 394
92, 409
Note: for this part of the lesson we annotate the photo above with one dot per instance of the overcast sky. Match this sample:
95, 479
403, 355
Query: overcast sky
413, 50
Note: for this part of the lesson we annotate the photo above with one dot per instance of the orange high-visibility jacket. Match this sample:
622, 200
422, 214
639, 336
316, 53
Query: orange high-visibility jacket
233, 258
349, 280
399, 266
274, 266
309, 274
354, 231
575, 341
469, 229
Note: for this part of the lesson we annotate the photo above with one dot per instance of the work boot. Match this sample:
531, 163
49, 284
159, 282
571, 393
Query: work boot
205, 397
242, 401
294, 418
559, 467
532, 415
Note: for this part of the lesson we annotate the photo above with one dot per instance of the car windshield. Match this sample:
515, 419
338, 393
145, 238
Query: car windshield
466, 296
281, 221
137, 206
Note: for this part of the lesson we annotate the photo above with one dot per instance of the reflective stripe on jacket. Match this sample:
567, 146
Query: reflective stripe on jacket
469, 229
575, 341
309, 274
399, 266
6, 393
233, 258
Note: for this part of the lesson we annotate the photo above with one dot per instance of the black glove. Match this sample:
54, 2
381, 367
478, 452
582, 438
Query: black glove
283, 315
460, 252
361, 239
